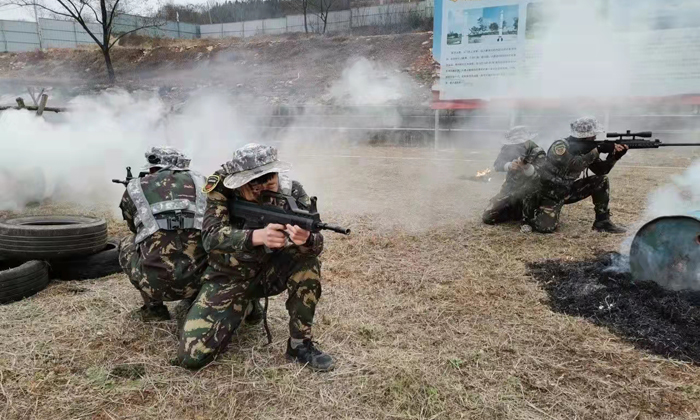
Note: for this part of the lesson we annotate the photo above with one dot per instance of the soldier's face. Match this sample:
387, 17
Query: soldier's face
271, 185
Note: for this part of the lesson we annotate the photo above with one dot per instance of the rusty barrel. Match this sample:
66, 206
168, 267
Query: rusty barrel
667, 251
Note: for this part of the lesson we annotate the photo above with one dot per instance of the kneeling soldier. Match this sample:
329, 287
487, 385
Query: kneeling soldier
248, 262
164, 257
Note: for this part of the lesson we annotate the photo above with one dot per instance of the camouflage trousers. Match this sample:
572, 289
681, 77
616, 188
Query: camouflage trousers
220, 306
511, 204
551, 200
168, 279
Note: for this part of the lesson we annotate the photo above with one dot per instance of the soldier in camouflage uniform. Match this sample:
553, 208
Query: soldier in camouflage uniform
520, 157
560, 183
164, 257
250, 261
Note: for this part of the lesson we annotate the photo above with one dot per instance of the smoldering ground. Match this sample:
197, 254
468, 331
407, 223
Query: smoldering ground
663, 322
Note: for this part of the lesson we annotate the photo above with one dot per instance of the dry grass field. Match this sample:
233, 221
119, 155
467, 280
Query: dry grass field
430, 314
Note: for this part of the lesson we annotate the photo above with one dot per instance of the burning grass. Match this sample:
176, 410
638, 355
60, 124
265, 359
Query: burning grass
440, 322
663, 322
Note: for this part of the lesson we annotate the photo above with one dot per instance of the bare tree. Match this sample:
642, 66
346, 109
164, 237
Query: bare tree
321, 9
103, 12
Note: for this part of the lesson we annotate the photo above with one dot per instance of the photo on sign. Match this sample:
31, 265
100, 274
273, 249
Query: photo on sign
491, 25
456, 27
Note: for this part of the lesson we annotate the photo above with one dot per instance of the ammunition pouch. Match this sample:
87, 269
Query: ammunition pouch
175, 220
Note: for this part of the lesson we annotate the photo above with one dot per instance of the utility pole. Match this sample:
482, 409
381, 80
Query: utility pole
209, 10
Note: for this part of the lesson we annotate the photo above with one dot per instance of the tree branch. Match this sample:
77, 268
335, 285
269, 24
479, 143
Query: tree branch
93, 11
28, 3
111, 15
120, 36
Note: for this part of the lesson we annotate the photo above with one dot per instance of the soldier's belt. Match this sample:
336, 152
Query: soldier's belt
175, 221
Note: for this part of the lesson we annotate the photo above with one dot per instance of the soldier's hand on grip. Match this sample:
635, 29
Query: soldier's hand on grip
516, 165
272, 236
620, 150
298, 235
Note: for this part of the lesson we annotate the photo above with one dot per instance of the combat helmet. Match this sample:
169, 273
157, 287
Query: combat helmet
166, 157
585, 127
252, 161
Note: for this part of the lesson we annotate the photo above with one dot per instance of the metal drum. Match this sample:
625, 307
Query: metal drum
667, 251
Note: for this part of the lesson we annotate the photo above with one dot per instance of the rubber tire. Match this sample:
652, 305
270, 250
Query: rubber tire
23, 281
51, 237
102, 264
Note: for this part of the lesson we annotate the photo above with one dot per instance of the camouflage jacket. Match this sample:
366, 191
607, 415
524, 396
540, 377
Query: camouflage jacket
166, 245
530, 153
568, 158
229, 241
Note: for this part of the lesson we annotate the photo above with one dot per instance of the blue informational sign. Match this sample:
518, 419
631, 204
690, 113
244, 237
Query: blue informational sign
490, 49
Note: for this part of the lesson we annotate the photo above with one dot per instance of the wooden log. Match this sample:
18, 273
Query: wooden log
34, 108
42, 104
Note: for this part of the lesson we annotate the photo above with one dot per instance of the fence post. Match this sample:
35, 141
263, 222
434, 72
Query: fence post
263, 25
38, 32
437, 129
222, 30
4, 36
75, 35
286, 25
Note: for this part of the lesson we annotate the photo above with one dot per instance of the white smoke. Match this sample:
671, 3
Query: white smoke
681, 196
367, 82
74, 156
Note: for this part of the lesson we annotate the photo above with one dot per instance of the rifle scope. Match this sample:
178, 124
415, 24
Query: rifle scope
643, 134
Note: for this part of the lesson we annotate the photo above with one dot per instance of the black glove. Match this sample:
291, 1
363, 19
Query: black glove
618, 155
606, 147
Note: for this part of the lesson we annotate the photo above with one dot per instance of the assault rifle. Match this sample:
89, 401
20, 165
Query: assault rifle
259, 214
129, 177
631, 140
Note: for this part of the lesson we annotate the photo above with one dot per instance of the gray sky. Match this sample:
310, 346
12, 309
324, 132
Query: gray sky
11, 12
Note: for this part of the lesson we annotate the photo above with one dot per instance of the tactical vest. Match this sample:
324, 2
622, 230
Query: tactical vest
167, 214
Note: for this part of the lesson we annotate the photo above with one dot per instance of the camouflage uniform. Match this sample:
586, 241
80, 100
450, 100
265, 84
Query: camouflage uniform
163, 261
239, 272
516, 200
560, 183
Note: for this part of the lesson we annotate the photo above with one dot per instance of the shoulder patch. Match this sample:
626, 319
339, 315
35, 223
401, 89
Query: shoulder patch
212, 182
560, 149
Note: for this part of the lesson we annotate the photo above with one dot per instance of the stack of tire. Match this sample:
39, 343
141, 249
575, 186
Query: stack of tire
35, 249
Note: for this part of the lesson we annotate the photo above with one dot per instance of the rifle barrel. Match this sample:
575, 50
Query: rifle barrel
678, 144
338, 229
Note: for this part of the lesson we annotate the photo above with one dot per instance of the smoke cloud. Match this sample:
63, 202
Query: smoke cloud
73, 156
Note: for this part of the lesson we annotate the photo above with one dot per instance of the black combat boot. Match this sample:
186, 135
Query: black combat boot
254, 313
307, 353
603, 224
154, 312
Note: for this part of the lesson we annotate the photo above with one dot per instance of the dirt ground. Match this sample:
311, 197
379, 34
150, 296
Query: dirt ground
271, 70
430, 314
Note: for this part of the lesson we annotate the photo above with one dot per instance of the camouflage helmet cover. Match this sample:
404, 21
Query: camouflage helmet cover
166, 157
585, 127
519, 134
252, 161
